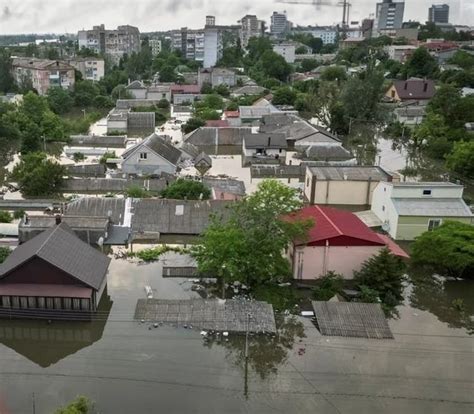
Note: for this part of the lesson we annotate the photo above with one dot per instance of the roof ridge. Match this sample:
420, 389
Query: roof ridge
47, 238
330, 221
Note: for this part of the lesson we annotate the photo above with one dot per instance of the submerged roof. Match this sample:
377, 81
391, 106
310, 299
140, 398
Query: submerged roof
435, 207
60, 247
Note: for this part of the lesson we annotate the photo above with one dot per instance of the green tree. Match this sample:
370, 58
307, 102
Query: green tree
308, 65
168, 74
328, 286
284, 95
421, 64
247, 246
121, 92
60, 100
38, 176
447, 249
383, 273
192, 124
461, 159
5, 217
274, 66
463, 59
212, 101
84, 93
81, 405
182, 189
7, 83
334, 73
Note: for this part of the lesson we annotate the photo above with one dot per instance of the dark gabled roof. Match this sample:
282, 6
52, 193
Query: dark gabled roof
60, 247
265, 141
159, 146
203, 158
136, 85
327, 152
415, 88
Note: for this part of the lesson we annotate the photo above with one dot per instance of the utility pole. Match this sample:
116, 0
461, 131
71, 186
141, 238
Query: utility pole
246, 354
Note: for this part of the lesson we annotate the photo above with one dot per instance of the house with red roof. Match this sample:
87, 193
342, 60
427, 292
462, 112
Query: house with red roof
338, 240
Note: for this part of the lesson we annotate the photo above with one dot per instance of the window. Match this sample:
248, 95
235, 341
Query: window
426, 192
143, 155
433, 224
393, 94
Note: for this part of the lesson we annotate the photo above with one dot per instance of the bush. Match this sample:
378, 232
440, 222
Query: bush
154, 253
5, 217
192, 124
136, 191
328, 286
163, 104
78, 156
106, 156
4, 253
183, 189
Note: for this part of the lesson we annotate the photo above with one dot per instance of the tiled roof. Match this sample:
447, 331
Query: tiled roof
415, 88
60, 247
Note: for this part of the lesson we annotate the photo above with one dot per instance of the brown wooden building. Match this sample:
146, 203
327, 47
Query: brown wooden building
55, 274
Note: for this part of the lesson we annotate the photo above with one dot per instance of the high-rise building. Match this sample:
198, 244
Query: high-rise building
210, 20
438, 13
279, 24
389, 15
250, 27
113, 43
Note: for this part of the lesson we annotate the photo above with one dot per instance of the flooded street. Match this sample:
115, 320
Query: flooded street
130, 367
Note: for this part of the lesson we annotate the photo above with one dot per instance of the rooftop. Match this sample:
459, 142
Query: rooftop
435, 207
415, 88
159, 146
60, 247
265, 141
349, 173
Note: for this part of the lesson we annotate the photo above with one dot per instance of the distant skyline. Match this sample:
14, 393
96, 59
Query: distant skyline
68, 16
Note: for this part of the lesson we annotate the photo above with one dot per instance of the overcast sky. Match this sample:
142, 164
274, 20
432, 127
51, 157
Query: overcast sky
59, 16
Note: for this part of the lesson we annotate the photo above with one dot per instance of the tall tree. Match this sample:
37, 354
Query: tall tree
421, 64
7, 83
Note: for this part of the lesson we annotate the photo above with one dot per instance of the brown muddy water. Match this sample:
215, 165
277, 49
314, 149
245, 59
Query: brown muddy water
129, 367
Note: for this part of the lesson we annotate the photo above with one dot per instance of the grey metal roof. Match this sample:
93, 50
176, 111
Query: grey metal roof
436, 207
111, 185
411, 111
328, 153
74, 222
227, 185
98, 207
268, 140
159, 146
94, 170
136, 85
211, 136
175, 216
425, 184
351, 319
249, 90
256, 111
203, 158
116, 141
60, 247
349, 173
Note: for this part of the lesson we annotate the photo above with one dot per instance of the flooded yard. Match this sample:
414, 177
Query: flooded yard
130, 367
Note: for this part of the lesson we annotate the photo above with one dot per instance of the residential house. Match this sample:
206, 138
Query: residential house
343, 185
125, 120
214, 137
216, 77
413, 89
399, 52
248, 90
233, 118
55, 274
263, 147
137, 89
182, 94
409, 209
43, 74
410, 115
337, 241
91, 68
154, 155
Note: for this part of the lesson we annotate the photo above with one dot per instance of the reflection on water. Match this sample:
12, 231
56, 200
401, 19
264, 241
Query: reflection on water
266, 352
437, 297
46, 344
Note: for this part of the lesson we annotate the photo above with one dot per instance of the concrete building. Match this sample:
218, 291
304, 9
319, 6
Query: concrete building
438, 13
154, 155
210, 20
337, 241
250, 27
91, 68
410, 115
399, 52
155, 45
328, 34
287, 50
343, 185
43, 73
279, 24
409, 209
264, 147
389, 15
112, 43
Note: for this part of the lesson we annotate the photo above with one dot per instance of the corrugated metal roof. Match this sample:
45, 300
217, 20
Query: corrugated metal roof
268, 140
60, 247
351, 319
440, 207
331, 223
98, 207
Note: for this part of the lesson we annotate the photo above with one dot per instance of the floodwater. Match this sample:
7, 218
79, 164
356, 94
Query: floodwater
129, 367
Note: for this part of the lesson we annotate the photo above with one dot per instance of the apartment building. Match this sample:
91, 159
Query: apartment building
328, 34
279, 24
438, 13
155, 46
389, 15
113, 43
43, 73
250, 27
91, 68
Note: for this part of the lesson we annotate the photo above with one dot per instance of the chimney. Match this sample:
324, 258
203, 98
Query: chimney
269, 141
406, 85
58, 219
425, 86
